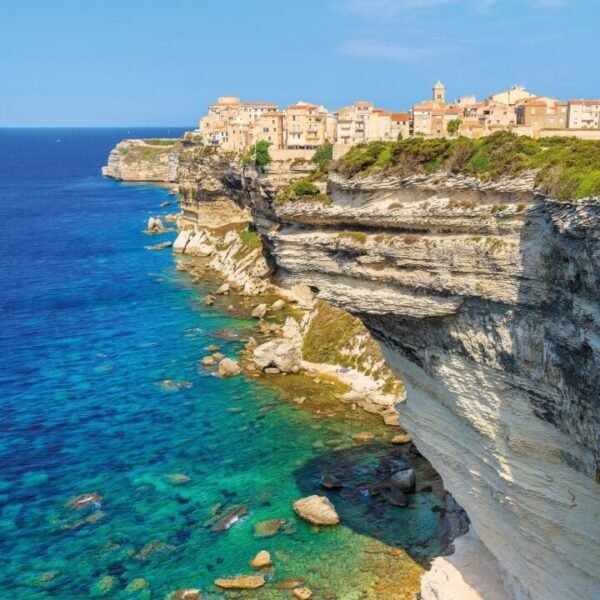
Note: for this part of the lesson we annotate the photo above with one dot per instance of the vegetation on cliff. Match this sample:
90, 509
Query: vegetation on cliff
303, 189
336, 337
323, 154
161, 141
144, 152
258, 154
567, 168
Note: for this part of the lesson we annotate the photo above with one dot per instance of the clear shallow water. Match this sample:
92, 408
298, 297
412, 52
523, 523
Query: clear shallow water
92, 322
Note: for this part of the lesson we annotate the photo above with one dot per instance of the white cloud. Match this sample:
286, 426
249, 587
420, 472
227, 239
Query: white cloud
375, 49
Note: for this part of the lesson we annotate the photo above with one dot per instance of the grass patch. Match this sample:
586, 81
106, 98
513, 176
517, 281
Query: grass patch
356, 236
336, 337
251, 239
161, 142
567, 168
303, 189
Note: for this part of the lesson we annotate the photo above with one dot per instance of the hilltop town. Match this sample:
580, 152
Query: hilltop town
236, 126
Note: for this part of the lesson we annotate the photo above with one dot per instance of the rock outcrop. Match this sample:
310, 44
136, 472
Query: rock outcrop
144, 160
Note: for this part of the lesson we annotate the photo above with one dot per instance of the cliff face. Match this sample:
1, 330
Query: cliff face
144, 160
484, 299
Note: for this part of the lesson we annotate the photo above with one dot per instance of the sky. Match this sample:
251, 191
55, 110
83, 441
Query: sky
161, 62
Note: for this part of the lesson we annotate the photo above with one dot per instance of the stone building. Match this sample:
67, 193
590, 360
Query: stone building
584, 114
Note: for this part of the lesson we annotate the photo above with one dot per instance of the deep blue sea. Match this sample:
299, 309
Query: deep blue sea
92, 322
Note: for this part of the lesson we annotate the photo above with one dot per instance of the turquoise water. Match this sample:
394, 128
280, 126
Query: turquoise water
92, 324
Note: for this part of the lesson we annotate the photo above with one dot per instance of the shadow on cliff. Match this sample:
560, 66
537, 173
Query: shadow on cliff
415, 528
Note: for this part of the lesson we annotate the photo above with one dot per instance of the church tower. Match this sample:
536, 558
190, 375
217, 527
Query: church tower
439, 92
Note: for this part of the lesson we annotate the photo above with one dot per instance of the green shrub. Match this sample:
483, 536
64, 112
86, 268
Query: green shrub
323, 154
567, 168
258, 154
454, 126
303, 189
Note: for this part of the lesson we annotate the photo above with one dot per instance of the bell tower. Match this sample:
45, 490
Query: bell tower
439, 92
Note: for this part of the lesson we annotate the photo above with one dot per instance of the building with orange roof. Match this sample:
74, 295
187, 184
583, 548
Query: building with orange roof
306, 126
229, 122
400, 125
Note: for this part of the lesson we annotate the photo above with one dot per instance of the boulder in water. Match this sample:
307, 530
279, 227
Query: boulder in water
278, 305
155, 225
402, 480
261, 560
229, 368
259, 311
317, 510
331, 482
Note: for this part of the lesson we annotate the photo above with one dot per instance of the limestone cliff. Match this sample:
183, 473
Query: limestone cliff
484, 299
144, 160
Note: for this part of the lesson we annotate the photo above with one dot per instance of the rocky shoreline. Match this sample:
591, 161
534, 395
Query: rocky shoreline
235, 275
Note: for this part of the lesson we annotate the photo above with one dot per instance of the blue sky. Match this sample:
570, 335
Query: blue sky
151, 62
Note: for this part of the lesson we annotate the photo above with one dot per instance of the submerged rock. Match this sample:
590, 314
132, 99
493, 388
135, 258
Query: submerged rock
317, 510
179, 478
185, 594
268, 528
402, 438
242, 582
229, 517
289, 584
331, 482
136, 585
396, 498
104, 585
402, 480
84, 501
363, 436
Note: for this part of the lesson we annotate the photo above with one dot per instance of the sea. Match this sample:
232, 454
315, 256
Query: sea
113, 481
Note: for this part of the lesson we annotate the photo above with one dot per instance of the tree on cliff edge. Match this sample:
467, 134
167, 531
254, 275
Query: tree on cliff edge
258, 154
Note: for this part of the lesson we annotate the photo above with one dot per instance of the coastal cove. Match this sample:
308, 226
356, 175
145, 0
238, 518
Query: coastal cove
106, 398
